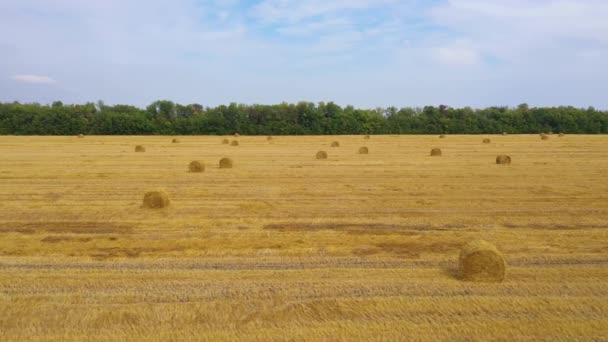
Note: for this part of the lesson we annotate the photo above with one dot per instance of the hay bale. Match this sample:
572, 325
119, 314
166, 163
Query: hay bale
234, 143
442, 136
486, 141
226, 163
504, 133
335, 144
156, 200
503, 159
81, 135
237, 135
225, 141
363, 150
366, 137
436, 152
561, 135
140, 148
321, 155
481, 261
175, 141
544, 137
196, 166
269, 137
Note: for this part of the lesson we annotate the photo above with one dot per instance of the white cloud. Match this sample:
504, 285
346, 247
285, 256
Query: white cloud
33, 79
456, 56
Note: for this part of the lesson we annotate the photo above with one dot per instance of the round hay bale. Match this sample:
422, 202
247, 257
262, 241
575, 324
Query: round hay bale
81, 135
544, 137
269, 137
175, 141
196, 166
442, 136
504, 133
486, 141
503, 159
366, 137
436, 152
321, 155
225, 141
156, 200
335, 144
237, 135
561, 135
481, 261
226, 163
140, 148
234, 143
363, 150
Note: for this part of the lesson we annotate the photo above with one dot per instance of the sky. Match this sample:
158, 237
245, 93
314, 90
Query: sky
366, 53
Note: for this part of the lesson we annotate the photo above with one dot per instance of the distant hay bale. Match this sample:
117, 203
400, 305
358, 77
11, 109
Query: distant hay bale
269, 137
544, 137
504, 133
237, 135
156, 200
140, 148
561, 135
226, 163
503, 159
175, 141
196, 166
321, 155
486, 141
436, 152
81, 135
550, 132
481, 261
366, 137
335, 144
234, 143
363, 150
225, 141
442, 136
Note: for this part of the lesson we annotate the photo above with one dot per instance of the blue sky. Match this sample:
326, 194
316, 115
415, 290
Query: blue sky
366, 53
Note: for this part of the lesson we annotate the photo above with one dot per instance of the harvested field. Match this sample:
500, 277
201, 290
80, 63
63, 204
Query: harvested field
284, 246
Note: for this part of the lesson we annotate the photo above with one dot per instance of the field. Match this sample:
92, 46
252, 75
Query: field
287, 247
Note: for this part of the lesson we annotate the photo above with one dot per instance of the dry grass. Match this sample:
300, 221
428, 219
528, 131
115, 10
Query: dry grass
283, 247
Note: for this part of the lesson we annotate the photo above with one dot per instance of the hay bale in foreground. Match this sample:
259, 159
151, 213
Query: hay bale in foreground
335, 144
321, 155
363, 150
234, 143
226, 163
156, 200
486, 141
196, 166
503, 159
481, 261
436, 152
140, 148
225, 141
175, 141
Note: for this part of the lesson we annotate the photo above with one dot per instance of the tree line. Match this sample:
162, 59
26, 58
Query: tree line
303, 118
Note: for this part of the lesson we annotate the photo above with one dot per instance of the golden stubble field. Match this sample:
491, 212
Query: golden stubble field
287, 247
